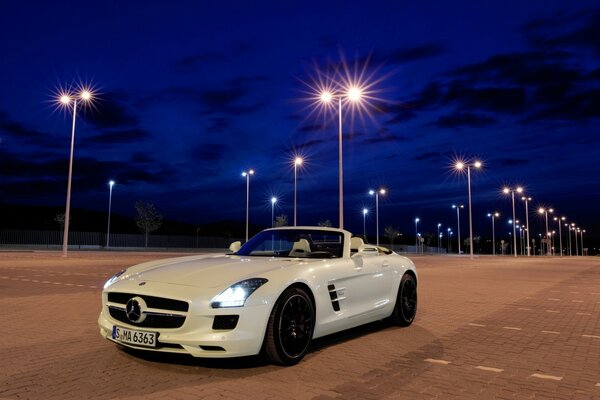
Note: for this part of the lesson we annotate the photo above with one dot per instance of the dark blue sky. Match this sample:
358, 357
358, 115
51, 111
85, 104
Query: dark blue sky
193, 93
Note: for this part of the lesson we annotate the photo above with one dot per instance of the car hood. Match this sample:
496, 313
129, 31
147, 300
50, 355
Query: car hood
207, 272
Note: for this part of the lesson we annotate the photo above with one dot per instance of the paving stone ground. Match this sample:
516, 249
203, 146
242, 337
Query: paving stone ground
488, 328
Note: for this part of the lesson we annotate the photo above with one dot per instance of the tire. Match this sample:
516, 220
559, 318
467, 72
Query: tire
290, 328
406, 302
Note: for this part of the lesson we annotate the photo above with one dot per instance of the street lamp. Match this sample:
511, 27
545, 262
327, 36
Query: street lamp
353, 94
365, 212
110, 184
582, 231
558, 221
439, 237
545, 211
247, 174
569, 233
460, 167
297, 163
527, 200
376, 193
85, 95
417, 235
507, 190
458, 220
273, 201
493, 216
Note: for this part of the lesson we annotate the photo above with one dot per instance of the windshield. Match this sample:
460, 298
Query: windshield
295, 243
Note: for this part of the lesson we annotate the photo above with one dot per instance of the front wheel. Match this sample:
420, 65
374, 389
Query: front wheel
406, 302
290, 328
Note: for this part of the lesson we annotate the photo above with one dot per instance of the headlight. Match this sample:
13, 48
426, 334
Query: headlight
237, 294
114, 278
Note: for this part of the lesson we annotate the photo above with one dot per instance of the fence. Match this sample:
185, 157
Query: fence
53, 239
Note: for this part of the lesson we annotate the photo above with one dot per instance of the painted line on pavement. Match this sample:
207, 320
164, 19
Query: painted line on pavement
512, 328
478, 325
574, 292
576, 301
553, 299
553, 311
555, 291
549, 377
551, 332
583, 313
591, 336
434, 361
524, 309
598, 384
490, 369
48, 282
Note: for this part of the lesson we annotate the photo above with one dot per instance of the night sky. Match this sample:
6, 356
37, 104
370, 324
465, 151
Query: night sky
190, 94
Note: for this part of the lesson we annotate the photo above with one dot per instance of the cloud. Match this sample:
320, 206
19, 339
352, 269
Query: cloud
410, 54
120, 136
110, 112
512, 162
209, 152
470, 120
495, 99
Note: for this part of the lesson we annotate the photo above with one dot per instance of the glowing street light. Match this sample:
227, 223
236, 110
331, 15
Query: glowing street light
519, 190
493, 216
364, 213
417, 235
273, 201
582, 231
376, 193
569, 233
66, 99
559, 221
545, 211
460, 166
297, 162
247, 174
527, 200
439, 237
458, 221
354, 94
110, 184
574, 229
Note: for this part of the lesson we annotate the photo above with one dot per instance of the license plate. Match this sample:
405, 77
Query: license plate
138, 338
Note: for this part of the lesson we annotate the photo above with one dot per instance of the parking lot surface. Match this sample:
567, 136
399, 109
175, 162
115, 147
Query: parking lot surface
487, 328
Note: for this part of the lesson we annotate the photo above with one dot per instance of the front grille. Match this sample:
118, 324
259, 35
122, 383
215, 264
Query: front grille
154, 320
164, 313
151, 301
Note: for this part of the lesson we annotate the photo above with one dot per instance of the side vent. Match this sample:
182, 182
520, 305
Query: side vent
333, 295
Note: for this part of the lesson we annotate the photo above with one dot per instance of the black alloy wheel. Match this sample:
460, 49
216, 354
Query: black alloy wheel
406, 302
290, 328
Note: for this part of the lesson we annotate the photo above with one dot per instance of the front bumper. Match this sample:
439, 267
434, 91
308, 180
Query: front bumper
197, 336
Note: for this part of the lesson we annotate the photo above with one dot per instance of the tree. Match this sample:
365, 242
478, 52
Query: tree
281, 220
391, 233
148, 219
325, 224
60, 219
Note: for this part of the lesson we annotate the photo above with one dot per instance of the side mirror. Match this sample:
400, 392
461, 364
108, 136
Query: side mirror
235, 246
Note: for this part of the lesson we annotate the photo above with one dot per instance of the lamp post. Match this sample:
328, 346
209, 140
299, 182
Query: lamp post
458, 221
86, 96
247, 174
569, 234
582, 231
273, 201
559, 221
493, 216
439, 237
507, 190
574, 229
460, 167
527, 200
297, 163
545, 211
417, 235
353, 94
364, 213
110, 184
376, 193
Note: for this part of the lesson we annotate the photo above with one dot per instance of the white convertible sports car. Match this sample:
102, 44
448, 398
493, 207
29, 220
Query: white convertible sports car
281, 289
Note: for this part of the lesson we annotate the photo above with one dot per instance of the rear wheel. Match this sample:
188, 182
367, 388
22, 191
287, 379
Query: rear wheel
290, 328
406, 302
